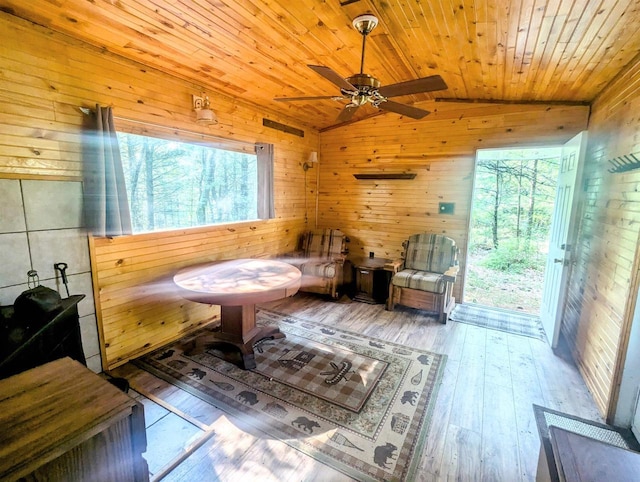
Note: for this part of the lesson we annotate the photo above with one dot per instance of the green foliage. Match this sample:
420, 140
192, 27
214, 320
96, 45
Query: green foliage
514, 257
513, 203
513, 197
508, 290
513, 206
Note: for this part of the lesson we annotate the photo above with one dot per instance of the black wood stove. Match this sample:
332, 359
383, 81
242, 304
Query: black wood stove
28, 343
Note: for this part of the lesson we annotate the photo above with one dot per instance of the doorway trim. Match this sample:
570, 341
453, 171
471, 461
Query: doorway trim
554, 150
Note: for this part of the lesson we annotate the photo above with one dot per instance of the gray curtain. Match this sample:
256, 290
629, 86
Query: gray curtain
106, 208
266, 208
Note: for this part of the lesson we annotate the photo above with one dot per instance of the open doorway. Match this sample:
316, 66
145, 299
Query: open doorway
512, 208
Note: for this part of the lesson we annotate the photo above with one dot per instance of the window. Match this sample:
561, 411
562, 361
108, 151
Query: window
174, 185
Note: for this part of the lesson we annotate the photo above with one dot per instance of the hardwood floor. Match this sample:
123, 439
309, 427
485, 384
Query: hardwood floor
483, 427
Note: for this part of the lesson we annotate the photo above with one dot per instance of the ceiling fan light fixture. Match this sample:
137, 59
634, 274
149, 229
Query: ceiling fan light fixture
365, 23
362, 88
360, 99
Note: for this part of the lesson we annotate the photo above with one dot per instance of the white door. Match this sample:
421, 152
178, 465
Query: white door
635, 423
562, 237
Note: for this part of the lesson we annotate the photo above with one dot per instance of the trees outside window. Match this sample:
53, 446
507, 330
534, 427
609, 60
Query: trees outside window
513, 201
175, 185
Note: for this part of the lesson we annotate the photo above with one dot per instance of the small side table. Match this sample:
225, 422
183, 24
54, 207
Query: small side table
372, 279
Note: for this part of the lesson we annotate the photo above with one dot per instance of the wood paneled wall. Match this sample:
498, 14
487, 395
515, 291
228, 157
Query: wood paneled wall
379, 214
604, 280
45, 78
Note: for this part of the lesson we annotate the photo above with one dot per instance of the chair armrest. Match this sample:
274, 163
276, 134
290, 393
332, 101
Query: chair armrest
294, 254
394, 266
339, 259
451, 273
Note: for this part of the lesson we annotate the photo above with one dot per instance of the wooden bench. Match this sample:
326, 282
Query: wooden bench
608, 435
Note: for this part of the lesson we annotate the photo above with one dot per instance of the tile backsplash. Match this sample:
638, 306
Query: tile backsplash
41, 225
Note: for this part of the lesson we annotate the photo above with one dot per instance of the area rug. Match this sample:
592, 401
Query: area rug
508, 321
356, 403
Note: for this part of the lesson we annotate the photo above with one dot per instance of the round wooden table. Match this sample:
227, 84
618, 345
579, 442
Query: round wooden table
237, 285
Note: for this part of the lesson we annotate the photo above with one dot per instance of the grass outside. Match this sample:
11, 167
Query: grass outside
510, 291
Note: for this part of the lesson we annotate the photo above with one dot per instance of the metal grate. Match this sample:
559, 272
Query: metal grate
598, 433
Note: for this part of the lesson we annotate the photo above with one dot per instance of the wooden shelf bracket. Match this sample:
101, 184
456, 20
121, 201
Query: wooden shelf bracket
386, 175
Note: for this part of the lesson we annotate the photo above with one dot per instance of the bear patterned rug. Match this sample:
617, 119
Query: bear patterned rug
356, 403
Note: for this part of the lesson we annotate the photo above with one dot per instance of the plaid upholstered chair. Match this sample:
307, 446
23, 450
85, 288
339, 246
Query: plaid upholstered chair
425, 276
320, 257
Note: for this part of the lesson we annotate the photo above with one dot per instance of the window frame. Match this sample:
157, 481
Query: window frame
127, 126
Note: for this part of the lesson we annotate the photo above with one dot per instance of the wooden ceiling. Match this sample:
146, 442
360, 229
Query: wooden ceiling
502, 50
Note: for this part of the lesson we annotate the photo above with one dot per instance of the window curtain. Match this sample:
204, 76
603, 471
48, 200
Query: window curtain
106, 208
266, 208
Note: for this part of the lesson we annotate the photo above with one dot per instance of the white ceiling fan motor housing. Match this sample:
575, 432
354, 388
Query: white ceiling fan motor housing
365, 23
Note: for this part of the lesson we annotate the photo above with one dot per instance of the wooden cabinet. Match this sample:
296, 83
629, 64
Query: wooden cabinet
62, 422
372, 280
584, 459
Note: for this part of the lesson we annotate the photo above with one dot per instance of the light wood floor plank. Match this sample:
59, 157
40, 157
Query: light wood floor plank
499, 435
483, 426
527, 391
562, 389
462, 455
170, 436
528, 441
497, 368
434, 451
467, 408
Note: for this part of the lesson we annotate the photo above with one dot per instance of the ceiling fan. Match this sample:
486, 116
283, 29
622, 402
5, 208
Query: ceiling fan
362, 88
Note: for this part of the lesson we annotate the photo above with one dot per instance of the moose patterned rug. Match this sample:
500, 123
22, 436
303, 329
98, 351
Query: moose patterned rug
356, 403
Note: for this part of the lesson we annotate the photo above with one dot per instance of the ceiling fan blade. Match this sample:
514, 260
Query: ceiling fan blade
322, 97
329, 74
417, 86
347, 112
403, 109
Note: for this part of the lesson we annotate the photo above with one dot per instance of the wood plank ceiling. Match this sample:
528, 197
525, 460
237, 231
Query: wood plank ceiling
502, 50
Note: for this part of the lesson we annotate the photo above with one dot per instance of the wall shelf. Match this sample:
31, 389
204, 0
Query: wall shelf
386, 175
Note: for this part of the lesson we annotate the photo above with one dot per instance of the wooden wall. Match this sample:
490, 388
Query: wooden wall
45, 78
378, 215
604, 279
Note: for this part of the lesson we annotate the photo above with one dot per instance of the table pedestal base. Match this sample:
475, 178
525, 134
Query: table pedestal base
238, 328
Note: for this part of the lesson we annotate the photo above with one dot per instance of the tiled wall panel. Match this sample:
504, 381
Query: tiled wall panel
40, 225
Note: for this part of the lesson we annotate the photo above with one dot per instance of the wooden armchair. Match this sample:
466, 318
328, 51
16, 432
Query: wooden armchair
424, 278
320, 257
